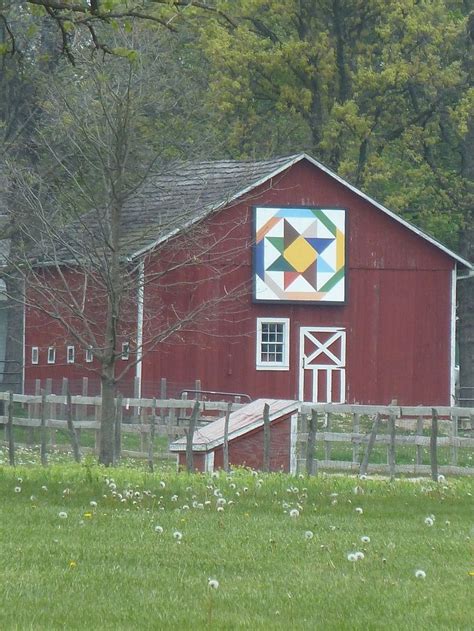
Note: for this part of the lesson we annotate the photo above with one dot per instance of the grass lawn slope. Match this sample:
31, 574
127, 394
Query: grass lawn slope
87, 548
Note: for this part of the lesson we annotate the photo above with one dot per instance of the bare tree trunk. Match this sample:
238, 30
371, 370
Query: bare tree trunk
107, 420
12, 367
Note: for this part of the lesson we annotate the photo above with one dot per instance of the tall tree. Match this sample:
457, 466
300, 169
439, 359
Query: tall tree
76, 265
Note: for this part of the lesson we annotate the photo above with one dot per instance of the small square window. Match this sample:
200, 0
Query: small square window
273, 344
34, 355
125, 350
70, 354
89, 355
51, 355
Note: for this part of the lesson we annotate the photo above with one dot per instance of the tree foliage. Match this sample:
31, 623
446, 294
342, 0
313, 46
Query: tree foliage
379, 91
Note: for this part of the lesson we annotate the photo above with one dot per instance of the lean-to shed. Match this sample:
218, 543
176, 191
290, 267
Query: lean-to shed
246, 438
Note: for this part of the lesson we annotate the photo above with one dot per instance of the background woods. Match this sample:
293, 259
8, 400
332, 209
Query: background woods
95, 96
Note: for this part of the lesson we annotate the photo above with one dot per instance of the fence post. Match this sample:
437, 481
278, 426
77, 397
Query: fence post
327, 443
163, 397
136, 395
70, 426
419, 448
197, 387
151, 437
356, 430
118, 427
189, 437
266, 438
391, 446
454, 439
97, 419
226, 438
373, 434
9, 426
44, 460
311, 462
301, 442
182, 411
434, 444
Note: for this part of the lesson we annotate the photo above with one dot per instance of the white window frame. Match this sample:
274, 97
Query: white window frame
277, 365
89, 355
51, 355
125, 351
35, 355
70, 354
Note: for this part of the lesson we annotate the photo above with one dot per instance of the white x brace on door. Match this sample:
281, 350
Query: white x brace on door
322, 364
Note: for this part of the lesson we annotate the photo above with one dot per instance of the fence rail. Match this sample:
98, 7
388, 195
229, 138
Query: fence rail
426, 433
387, 439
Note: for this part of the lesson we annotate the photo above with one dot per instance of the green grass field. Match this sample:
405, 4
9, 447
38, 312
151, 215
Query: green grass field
80, 549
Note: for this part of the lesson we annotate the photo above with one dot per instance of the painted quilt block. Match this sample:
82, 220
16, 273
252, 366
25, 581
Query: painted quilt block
299, 255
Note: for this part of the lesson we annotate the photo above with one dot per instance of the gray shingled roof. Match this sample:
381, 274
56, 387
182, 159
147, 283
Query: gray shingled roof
164, 204
170, 200
167, 202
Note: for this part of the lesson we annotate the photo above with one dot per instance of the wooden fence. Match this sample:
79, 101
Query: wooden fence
51, 414
386, 439
434, 440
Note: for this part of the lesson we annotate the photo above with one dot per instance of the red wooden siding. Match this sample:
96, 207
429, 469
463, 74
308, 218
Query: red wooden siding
397, 315
247, 450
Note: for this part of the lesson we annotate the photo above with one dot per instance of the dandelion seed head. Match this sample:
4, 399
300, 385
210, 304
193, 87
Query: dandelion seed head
162, 484
429, 521
308, 534
44, 488
359, 556
17, 489
220, 509
420, 574
159, 529
294, 512
212, 583
351, 557
93, 503
365, 539
359, 510
62, 515
177, 535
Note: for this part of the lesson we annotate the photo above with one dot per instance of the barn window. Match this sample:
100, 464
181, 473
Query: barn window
51, 355
89, 355
70, 354
125, 350
34, 355
273, 348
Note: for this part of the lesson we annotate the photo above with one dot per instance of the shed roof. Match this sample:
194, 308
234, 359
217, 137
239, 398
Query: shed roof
241, 422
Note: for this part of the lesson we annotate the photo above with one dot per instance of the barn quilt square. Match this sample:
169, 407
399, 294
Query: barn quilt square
299, 255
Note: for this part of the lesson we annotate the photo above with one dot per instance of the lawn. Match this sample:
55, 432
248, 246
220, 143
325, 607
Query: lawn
88, 548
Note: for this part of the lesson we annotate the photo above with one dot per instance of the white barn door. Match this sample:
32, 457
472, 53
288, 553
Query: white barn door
322, 364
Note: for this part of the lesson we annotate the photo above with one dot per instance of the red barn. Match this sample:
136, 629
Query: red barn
245, 439
317, 291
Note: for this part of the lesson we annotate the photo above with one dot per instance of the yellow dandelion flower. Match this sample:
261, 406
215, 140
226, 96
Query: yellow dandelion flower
72, 564
88, 515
